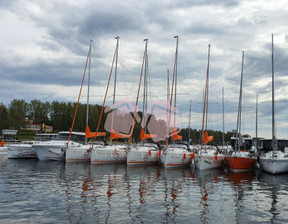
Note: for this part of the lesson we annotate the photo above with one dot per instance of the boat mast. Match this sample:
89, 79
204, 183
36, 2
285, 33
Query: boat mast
274, 140
175, 70
205, 98
223, 135
115, 79
167, 94
145, 86
188, 133
136, 105
77, 105
105, 97
88, 89
256, 134
238, 128
171, 95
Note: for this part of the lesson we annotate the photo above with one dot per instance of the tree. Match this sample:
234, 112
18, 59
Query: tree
61, 115
4, 123
39, 111
17, 113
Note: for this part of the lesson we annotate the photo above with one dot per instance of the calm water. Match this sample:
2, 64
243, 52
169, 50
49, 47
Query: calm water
33, 191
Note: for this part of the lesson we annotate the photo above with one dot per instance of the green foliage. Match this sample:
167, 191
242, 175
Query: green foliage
195, 135
17, 113
60, 115
39, 111
4, 122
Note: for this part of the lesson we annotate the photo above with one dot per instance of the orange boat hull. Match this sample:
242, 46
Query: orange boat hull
240, 163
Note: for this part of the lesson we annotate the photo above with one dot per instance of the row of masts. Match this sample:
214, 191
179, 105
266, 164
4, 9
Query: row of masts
145, 63
174, 82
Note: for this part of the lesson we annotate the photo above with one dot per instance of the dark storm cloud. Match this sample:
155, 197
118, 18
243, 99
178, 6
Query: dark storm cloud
43, 73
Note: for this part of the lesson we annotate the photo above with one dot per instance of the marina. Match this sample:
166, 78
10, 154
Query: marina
133, 127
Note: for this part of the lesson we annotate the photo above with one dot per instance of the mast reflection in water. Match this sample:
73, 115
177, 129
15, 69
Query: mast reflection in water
33, 191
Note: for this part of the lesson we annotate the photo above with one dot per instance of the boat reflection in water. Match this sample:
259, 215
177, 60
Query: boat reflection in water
3, 155
208, 181
273, 198
57, 192
241, 178
241, 186
176, 183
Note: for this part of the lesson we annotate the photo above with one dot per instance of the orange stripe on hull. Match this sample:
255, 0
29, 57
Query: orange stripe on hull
172, 164
108, 161
73, 160
142, 162
240, 163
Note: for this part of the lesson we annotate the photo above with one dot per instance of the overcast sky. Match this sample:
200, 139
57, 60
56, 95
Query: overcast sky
44, 45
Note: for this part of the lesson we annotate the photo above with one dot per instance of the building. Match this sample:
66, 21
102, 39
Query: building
38, 127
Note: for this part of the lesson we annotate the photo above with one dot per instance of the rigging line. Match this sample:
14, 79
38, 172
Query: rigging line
144, 59
238, 127
123, 68
205, 97
76, 109
88, 88
102, 109
171, 97
115, 81
94, 61
150, 79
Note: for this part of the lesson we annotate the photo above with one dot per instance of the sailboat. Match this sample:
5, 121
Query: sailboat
79, 151
177, 154
112, 153
145, 153
208, 157
274, 161
240, 159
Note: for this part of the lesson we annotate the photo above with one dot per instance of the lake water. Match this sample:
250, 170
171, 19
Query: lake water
33, 191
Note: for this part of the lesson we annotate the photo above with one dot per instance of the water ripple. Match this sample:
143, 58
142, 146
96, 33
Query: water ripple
34, 191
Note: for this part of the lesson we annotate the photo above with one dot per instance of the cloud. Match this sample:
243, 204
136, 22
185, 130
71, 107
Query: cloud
45, 44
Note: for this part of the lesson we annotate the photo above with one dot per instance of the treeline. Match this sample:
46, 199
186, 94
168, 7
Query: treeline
57, 114
60, 115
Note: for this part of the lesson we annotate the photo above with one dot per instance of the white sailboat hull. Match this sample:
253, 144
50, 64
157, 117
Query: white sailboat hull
207, 161
51, 150
78, 153
175, 157
109, 154
274, 164
142, 155
20, 151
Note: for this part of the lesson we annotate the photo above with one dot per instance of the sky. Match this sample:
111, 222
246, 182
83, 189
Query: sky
44, 46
